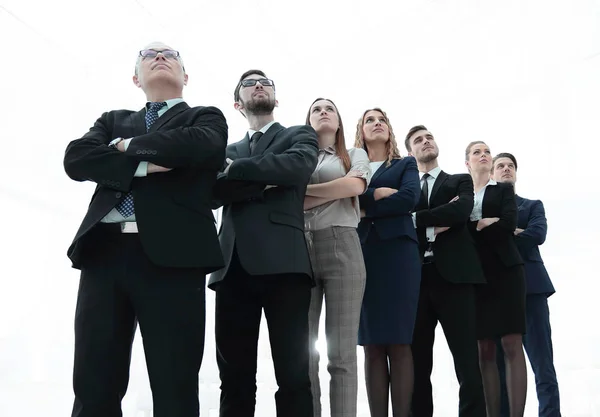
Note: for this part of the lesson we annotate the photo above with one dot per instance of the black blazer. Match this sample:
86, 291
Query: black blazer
391, 217
267, 226
172, 209
497, 240
455, 254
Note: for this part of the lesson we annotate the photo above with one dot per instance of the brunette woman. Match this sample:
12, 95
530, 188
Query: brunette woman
331, 216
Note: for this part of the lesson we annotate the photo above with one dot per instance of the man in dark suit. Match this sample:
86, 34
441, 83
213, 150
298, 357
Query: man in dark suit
146, 242
529, 234
451, 268
262, 190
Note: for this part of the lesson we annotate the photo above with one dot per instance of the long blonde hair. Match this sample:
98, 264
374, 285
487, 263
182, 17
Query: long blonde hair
391, 144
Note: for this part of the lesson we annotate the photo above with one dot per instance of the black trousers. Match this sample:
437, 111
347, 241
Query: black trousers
120, 288
453, 305
240, 299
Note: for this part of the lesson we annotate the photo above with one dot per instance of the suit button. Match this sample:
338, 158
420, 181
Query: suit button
138, 152
118, 195
154, 152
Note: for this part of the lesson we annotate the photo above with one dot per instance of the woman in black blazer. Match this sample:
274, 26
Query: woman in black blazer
500, 302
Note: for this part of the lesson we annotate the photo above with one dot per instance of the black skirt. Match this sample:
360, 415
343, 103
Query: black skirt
501, 302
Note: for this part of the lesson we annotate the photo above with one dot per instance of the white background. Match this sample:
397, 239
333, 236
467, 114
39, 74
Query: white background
522, 75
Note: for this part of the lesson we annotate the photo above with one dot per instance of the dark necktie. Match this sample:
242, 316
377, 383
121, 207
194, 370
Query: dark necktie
254, 140
424, 202
125, 207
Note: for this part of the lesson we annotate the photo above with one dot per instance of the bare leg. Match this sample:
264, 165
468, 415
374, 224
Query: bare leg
490, 377
378, 379
516, 373
401, 378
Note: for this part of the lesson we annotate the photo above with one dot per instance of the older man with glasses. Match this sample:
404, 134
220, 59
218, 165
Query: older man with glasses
146, 243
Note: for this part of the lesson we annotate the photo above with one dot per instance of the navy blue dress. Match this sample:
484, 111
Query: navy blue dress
390, 249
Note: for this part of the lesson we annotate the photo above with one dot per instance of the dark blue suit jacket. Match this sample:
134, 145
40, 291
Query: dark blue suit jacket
532, 219
391, 217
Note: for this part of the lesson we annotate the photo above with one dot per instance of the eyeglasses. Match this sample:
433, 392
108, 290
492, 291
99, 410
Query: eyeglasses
265, 82
151, 53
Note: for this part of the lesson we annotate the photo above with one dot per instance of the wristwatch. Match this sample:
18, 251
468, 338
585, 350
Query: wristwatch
113, 143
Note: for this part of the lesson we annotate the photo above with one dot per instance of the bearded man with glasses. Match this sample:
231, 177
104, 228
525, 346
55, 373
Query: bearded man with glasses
262, 190
146, 243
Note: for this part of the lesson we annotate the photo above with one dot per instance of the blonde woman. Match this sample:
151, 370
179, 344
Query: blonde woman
390, 249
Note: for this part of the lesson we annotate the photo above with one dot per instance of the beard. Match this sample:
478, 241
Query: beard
428, 157
259, 107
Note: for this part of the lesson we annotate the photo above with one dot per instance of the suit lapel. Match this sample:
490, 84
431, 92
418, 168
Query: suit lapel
169, 114
138, 123
266, 139
489, 199
243, 147
382, 168
442, 178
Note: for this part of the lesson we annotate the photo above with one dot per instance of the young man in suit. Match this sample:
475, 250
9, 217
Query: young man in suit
451, 268
529, 234
146, 243
267, 267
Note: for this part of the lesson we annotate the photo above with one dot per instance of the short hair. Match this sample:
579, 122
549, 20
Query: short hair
411, 132
505, 155
151, 46
236, 92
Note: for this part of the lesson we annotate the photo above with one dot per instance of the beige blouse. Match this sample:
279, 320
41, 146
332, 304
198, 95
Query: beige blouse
342, 212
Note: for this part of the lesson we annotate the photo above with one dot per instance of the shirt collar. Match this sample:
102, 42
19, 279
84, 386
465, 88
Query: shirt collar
262, 130
330, 150
433, 173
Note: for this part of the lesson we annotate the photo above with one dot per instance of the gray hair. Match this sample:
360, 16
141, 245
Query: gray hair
152, 46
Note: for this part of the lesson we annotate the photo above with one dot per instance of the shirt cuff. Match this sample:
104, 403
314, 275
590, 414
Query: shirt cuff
142, 169
126, 144
430, 232
414, 219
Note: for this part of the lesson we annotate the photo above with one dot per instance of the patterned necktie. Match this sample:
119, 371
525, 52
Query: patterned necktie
254, 140
425, 192
125, 207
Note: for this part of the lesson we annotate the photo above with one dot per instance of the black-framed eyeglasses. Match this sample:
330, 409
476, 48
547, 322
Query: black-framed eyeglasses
265, 82
151, 53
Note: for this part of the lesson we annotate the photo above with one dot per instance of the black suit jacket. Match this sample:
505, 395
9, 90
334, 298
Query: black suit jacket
172, 209
267, 226
455, 254
497, 240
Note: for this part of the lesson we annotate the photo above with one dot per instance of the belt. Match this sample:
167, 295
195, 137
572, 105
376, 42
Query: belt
129, 227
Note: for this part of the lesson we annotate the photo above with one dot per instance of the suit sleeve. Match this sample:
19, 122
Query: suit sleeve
289, 168
90, 158
228, 191
453, 213
536, 229
200, 144
401, 202
508, 216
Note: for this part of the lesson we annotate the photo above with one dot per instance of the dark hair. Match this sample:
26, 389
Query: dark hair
411, 132
505, 155
236, 92
340, 140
